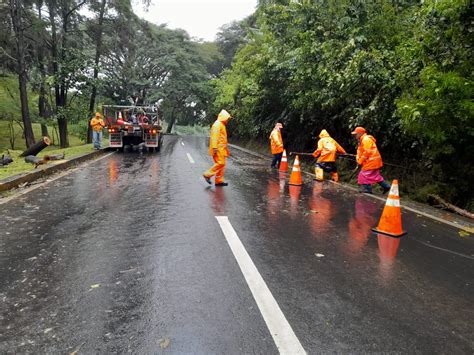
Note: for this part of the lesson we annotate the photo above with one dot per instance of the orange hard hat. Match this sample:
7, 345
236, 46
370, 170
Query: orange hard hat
359, 130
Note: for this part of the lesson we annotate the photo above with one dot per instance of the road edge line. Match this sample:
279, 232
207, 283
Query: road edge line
280, 330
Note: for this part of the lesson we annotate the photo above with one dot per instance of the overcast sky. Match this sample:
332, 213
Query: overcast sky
200, 18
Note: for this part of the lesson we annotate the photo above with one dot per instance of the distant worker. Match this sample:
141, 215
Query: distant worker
97, 123
218, 149
276, 145
327, 151
369, 158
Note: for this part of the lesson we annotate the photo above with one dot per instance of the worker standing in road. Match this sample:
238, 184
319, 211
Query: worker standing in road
327, 151
370, 160
97, 124
218, 149
276, 145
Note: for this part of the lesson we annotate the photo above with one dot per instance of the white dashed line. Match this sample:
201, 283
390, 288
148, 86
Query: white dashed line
281, 331
191, 160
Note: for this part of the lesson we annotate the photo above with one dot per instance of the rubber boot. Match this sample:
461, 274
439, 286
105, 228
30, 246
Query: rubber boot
385, 186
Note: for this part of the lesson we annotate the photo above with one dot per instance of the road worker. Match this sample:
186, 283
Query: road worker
370, 160
276, 145
218, 149
97, 123
327, 151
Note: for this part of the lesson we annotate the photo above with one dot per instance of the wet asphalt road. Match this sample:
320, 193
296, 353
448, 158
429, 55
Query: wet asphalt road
125, 255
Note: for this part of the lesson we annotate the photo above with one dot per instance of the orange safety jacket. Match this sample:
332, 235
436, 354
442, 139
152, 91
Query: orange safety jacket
276, 142
218, 139
367, 153
97, 124
327, 148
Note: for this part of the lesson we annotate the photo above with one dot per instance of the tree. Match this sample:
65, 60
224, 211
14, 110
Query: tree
17, 14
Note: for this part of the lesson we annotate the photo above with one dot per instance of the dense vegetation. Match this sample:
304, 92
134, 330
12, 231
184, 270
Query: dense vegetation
402, 69
70, 56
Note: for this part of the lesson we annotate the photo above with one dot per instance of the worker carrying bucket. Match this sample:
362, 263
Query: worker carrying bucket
326, 151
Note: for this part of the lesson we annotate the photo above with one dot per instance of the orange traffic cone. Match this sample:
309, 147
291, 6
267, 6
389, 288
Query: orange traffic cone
120, 121
391, 221
295, 177
284, 163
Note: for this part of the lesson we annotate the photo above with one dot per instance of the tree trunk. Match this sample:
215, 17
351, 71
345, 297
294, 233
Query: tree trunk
98, 53
16, 15
44, 130
171, 122
37, 160
37, 147
44, 109
63, 136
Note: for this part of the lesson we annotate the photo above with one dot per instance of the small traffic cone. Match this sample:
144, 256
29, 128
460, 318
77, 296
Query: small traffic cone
284, 163
295, 177
390, 222
120, 121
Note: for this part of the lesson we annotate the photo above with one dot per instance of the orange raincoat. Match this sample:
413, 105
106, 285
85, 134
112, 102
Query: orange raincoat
97, 123
276, 142
367, 153
218, 140
327, 148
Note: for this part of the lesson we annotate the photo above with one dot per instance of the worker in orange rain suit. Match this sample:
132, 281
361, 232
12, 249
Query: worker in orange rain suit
326, 151
97, 123
218, 149
369, 158
276, 145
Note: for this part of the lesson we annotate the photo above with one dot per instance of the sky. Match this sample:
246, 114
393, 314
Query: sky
200, 18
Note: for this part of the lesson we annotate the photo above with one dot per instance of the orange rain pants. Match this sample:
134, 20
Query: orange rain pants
218, 168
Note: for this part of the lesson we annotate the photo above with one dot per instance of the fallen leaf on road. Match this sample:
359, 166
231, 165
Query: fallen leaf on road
46, 331
164, 343
95, 286
319, 255
464, 234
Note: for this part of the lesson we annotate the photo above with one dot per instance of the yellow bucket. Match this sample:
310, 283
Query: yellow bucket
319, 173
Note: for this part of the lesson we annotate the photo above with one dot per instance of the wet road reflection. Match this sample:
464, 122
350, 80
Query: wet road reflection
388, 249
321, 212
360, 224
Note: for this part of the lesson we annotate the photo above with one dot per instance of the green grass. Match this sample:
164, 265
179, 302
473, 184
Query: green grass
20, 166
20, 142
77, 147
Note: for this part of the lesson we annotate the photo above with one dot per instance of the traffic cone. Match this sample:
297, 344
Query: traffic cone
284, 163
391, 221
295, 177
120, 121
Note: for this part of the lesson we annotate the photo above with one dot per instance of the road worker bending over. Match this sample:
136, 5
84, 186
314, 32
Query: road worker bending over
326, 151
369, 158
276, 145
218, 149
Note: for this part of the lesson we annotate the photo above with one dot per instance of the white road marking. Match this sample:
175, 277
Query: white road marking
191, 160
281, 331
58, 176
